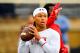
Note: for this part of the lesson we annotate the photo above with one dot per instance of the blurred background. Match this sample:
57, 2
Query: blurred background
13, 14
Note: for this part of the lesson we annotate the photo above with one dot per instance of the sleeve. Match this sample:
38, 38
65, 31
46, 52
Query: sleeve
51, 19
53, 46
23, 47
53, 15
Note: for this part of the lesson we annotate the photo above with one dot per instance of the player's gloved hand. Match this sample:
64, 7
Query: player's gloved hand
56, 10
53, 15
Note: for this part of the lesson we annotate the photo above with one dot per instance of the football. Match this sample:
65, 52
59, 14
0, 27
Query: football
25, 35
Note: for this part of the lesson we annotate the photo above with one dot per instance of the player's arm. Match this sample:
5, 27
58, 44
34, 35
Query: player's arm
53, 15
51, 19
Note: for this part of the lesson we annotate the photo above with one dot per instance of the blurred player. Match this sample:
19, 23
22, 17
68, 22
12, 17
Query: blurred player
49, 8
45, 40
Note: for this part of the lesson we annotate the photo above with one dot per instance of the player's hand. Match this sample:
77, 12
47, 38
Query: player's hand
55, 12
58, 10
34, 32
